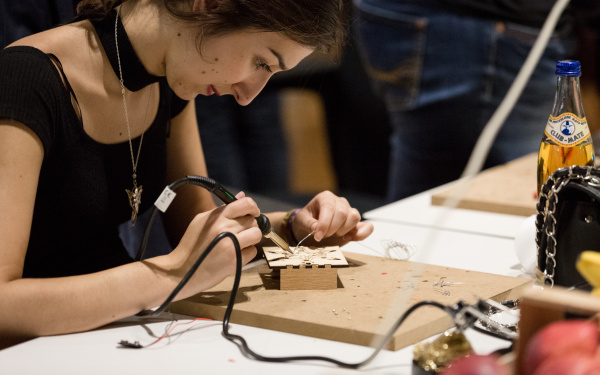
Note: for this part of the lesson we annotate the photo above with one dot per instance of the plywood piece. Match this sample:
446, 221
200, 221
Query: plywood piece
308, 278
371, 294
306, 268
506, 189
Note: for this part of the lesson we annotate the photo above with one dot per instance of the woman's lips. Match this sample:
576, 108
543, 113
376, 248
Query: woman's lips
212, 90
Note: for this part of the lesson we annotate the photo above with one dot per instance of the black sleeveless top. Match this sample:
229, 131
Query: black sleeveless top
81, 197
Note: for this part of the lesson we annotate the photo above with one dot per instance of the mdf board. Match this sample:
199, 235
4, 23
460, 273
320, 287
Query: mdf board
507, 189
371, 294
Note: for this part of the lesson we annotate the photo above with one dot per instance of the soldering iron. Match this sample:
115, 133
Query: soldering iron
167, 196
263, 222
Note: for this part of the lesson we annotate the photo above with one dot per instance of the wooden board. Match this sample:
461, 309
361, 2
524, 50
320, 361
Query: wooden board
506, 189
371, 294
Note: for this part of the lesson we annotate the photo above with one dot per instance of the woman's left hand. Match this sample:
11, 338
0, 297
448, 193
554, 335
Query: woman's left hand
332, 219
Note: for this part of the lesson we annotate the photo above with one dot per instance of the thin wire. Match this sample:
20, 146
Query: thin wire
308, 235
172, 327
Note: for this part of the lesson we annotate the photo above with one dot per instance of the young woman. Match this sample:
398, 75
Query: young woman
95, 121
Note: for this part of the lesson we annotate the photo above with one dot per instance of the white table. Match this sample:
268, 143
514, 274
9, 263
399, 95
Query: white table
201, 350
466, 241
440, 247
418, 211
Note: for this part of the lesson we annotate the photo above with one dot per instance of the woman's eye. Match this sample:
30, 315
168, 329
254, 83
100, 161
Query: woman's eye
260, 64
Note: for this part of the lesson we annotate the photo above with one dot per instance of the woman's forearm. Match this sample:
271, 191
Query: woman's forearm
37, 307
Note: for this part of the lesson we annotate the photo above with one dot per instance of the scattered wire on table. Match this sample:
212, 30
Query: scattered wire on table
397, 250
168, 330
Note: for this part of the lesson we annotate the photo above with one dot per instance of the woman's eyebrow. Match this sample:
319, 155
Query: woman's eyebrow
279, 58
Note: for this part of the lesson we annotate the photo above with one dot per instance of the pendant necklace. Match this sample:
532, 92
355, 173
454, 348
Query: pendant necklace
135, 194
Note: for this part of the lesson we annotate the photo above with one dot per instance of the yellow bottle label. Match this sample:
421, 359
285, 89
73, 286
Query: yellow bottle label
567, 129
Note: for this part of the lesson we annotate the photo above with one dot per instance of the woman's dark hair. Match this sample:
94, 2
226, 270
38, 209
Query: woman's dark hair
317, 24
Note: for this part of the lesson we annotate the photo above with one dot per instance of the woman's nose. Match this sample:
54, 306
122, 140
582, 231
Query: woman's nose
245, 92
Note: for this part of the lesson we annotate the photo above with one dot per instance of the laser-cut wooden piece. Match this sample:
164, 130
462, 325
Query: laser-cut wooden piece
310, 268
308, 278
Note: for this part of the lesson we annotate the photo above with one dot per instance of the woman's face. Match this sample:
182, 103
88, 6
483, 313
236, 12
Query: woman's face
238, 64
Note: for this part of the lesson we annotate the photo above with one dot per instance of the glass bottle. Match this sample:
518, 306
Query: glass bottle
567, 140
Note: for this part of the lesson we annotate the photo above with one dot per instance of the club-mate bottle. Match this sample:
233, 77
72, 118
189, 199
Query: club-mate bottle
567, 140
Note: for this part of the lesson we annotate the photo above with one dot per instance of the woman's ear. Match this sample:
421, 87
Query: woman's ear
201, 6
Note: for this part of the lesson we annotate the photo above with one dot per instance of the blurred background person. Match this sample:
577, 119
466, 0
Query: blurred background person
442, 67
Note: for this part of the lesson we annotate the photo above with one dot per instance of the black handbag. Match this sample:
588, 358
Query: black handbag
567, 223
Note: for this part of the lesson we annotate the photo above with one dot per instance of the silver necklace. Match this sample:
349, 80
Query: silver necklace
135, 194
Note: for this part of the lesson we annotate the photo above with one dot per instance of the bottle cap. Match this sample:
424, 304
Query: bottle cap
568, 68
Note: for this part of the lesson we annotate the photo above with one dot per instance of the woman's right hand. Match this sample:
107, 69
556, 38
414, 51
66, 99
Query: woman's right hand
237, 218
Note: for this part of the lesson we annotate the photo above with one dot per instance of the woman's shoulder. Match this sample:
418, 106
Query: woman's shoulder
60, 38
45, 54
67, 42
31, 89
23, 63
29, 69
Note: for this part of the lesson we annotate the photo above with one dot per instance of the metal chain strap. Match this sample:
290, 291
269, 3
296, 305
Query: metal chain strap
546, 210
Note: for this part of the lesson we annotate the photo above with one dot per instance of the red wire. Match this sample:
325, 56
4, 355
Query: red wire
172, 328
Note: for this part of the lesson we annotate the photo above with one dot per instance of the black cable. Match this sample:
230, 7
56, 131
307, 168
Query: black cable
209, 184
225, 196
241, 342
205, 182
236, 339
193, 269
243, 345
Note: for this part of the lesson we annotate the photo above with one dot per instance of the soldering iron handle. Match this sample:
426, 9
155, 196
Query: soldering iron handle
226, 197
264, 224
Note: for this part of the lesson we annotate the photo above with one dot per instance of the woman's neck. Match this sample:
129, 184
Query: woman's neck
147, 25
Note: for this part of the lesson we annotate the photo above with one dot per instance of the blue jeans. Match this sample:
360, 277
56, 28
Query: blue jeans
442, 75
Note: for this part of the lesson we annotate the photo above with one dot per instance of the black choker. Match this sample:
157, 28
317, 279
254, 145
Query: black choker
135, 75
